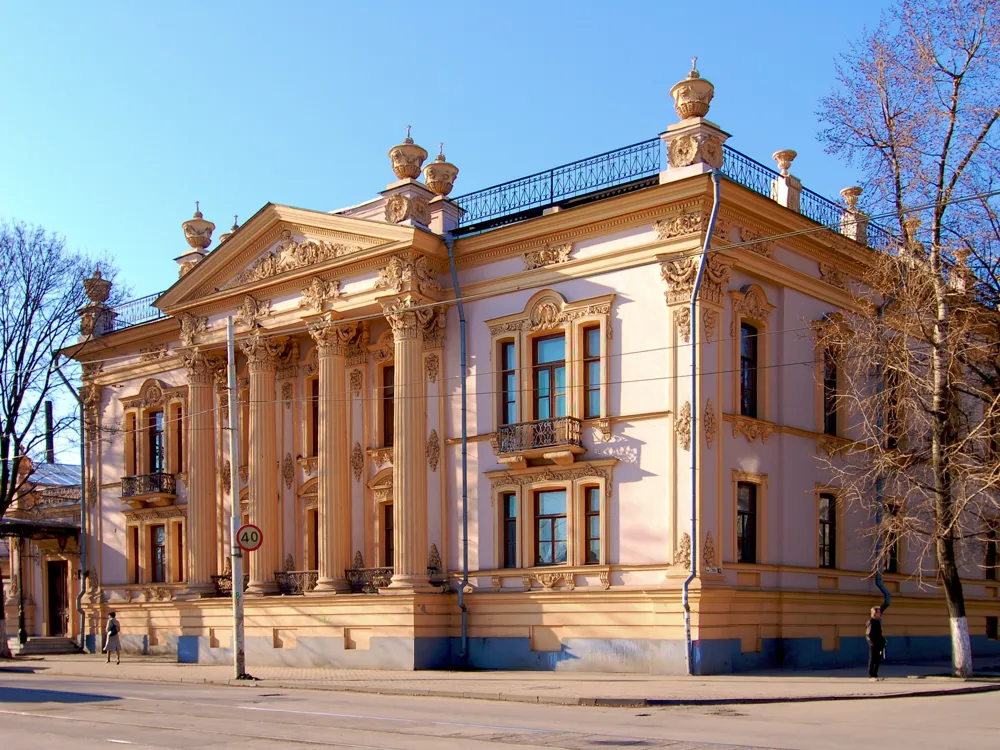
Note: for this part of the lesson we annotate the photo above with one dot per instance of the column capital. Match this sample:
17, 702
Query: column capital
202, 366
405, 314
332, 337
262, 351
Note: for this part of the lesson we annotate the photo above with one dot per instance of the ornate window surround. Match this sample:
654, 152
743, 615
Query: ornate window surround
750, 305
547, 312
153, 396
573, 480
839, 520
174, 518
762, 514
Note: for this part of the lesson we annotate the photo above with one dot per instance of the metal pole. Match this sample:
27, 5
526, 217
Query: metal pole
22, 634
239, 654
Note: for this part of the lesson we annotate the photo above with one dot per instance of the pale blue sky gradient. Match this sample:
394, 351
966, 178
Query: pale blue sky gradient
116, 117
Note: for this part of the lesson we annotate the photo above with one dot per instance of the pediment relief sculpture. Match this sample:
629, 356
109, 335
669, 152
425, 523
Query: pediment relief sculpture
291, 254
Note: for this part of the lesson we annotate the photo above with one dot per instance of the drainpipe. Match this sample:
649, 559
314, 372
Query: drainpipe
449, 242
83, 512
880, 481
685, 599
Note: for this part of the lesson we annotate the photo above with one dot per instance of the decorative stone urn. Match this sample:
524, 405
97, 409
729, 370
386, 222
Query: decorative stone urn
98, 288
693, 95
440, 174
226, 235
198, 231
784, 159
850, 196
407, 158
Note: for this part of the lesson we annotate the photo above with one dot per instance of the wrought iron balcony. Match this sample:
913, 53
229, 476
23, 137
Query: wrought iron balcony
149, 484
368, 580
296, 581
224, 584
543, 433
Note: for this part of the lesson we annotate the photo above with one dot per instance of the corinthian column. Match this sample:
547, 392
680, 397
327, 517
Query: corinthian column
201, 519
262, 358
409, 463
334, 477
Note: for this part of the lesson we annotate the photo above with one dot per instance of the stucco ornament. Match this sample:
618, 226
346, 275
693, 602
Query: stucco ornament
750, 302
358, 562
191, 326
286, 395
682, 319
318, 292
692, 96
289, 563
549, 255
756, 241
709, 555
433, 450
288, 255
356, 382
440, 174
151, 395
434, 559
752, 429
544, 316
433, 365
252, 311
682, 555
399, 208
682, 426
357, 462
197, 230
407, 158
227, 477
262, 352
97, 288
695, 148
832, 275
403, 270
153, 352
784, 158
678, 225
680, 276
709, 423
711, 319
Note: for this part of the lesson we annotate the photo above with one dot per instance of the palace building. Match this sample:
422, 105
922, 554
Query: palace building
581, 421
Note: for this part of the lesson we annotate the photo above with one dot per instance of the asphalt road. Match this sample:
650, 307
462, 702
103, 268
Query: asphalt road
53, 713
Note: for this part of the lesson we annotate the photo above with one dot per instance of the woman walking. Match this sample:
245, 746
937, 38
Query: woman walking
112, 639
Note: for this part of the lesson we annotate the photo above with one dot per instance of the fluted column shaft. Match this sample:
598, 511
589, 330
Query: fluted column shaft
409, 463
201, 519
334, 478
262, 360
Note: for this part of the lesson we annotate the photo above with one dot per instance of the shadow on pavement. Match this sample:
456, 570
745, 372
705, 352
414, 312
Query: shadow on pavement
20, 670
32, 695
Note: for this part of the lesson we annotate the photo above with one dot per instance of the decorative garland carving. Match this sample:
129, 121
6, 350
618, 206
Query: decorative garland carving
227, 476
432, 323
550, 312
751, 302
682, 426
682, 555
407, 269
432, 363
251, 312
680, 275
751, 428
384, 350
288, 365
572, 474
549, 255
288, 255
356, 382
679, 225
711, 318
433, 450
709, 555
319, 292
286, 394
288, 470
682, 319
832, 275
550, 580
191, 326
153, 352
753, 237
357, 350
357, 462
709, 423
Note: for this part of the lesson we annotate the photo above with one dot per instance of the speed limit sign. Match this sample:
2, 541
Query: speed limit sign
249, 537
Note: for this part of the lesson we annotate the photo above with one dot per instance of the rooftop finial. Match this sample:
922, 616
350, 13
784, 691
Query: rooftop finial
440, 156
236, 222
197, 210
408, 140
694, 68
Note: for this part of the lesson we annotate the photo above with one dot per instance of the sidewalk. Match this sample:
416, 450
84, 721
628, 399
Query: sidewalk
567, 688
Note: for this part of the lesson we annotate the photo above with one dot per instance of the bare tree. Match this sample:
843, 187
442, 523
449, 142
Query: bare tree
40, 293
916, 107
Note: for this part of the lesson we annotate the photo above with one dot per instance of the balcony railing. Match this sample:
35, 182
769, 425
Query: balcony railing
224, 584
136, 311
149, 484
368, 580
296, 581
542, 433
623, 170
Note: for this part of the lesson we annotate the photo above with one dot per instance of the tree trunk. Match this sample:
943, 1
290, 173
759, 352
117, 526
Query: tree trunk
4, 648
961, 648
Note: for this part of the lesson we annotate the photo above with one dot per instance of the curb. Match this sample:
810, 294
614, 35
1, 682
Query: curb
597, 702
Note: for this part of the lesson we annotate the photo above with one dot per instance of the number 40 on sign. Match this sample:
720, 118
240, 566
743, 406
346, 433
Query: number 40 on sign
249, 537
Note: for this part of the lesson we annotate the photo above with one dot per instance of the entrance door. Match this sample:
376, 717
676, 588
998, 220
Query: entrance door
58, 599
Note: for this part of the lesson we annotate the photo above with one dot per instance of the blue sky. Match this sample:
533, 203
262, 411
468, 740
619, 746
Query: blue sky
117, 116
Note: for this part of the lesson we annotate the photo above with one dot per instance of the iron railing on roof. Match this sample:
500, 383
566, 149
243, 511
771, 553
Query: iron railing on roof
137, 311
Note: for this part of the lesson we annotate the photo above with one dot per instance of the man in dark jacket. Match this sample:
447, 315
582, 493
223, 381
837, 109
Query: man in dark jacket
876, 642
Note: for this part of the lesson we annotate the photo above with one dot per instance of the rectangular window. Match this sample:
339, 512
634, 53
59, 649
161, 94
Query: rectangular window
748, 370
992, 543
746, 523
388, 539
550, 377
508, 383
158, 553
592, 523
827, 531
591, 372
314, 416
180, 552
829, 393
509, 500
154, 428
131, 446
136, 567
388, 413
550, 527
179, 427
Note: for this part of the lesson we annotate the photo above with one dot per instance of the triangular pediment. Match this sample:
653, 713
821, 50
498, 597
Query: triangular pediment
280, 242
